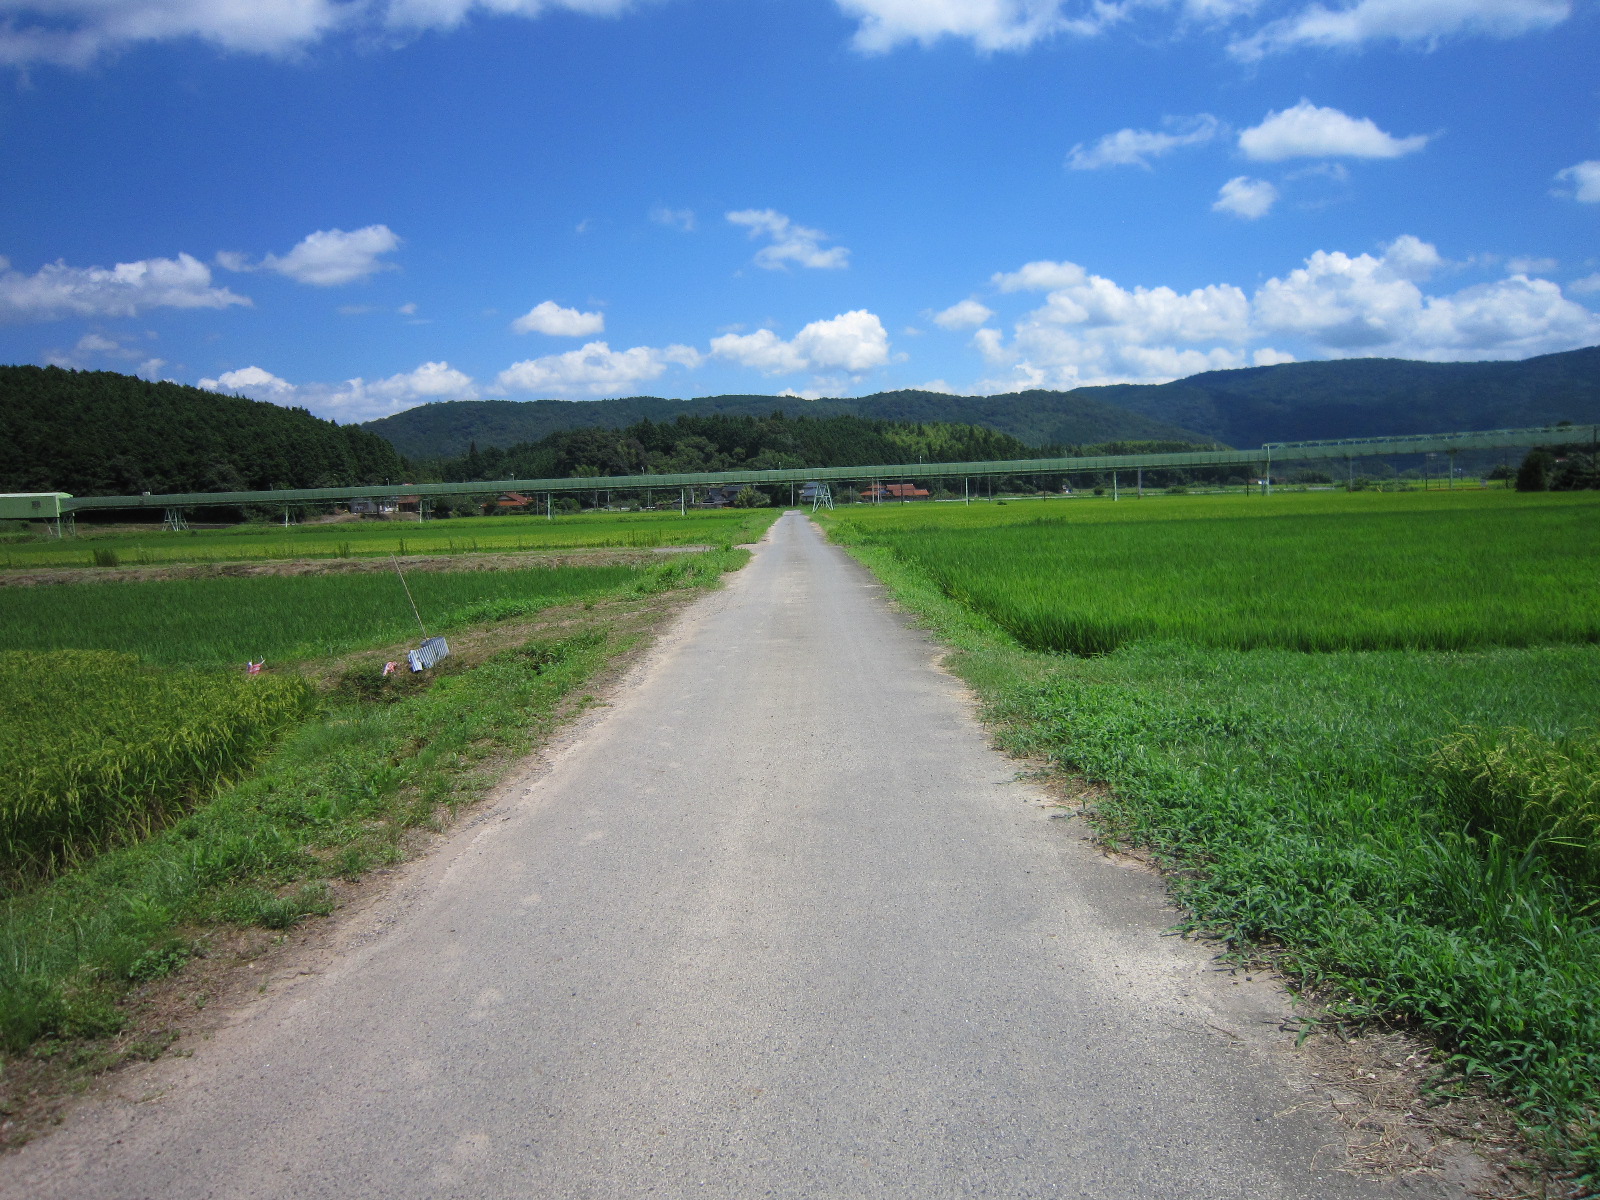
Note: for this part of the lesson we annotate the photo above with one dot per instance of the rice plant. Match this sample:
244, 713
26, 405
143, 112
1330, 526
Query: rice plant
228, 620
459, 535
1318, 576
101, 748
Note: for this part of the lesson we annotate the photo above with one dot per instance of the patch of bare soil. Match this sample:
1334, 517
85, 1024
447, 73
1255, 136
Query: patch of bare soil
520, 560
233, 966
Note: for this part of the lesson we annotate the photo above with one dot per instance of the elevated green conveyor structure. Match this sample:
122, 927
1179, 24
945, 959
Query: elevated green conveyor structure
1258, 461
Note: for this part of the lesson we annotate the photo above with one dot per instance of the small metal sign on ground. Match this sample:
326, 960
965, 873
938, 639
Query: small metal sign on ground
430, 652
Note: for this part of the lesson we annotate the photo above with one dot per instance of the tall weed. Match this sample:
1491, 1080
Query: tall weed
1530, 789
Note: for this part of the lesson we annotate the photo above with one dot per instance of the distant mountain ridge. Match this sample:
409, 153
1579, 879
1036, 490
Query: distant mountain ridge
1360, 397
448, 429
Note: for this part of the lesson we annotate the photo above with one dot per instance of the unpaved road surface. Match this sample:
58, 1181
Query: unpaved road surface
777, 923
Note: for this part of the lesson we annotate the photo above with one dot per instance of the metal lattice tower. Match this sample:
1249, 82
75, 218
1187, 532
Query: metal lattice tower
822, 497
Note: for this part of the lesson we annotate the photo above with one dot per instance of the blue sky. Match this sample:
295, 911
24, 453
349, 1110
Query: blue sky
362, 205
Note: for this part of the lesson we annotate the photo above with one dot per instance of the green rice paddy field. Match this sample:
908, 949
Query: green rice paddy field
358, 539
154, 790
224, 621
1364, 729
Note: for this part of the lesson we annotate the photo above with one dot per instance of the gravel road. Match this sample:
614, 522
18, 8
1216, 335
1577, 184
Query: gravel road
778, 922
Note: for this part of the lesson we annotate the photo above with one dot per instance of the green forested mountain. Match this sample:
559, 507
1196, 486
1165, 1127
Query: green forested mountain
713, 443
1367, 397
101, 433
1372, 397
1037, 418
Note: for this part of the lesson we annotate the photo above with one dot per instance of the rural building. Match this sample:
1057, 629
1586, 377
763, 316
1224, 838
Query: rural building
720, 497
510, 500
883, 492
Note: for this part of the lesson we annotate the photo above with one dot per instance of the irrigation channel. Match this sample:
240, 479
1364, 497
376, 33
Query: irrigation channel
1346, 451
777, 922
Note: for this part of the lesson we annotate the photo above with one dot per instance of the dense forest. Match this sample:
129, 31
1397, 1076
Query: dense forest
1373, 397
100, 433
1368, 397
714, 443
433, 431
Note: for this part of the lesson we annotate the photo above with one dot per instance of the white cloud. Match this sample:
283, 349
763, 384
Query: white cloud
594, 370
77, 31
1365, 304
1136, 147
549, 317
326, 258
853, 341
446, 14
968, 314
254, 382
988, 24
96, 345
1582, 287
354, 399
1307, 131
681, 219
1532, 266
1040, 277
1245, 197
125, 290
1090, 330
763, 350
790, 242
1424, 21
1585, 180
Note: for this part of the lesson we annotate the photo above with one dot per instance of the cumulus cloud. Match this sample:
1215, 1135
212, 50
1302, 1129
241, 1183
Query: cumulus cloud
1040, 277
1136, 147
987, 24
1092, 330
853, 341
125, 290
788, 242
1582, 180
326, 258
1247, 198
256, 382
1307, 131
968, 314
1412, 21
594, 370
355, 399
549, 317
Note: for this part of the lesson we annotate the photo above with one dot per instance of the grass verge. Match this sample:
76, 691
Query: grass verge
343, 794
1324, 811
